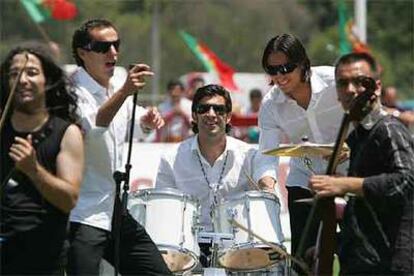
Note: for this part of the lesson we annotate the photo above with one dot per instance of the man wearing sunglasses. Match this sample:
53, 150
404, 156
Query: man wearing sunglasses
302, 103
377, 231
211, 165
105, 112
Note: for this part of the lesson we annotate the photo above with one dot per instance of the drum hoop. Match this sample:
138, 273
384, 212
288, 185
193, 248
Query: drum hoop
166, 191
250, 194
247, 245
162, 246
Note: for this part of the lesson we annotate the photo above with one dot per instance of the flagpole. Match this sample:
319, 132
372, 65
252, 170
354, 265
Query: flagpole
155, 52
42, 31
360, 9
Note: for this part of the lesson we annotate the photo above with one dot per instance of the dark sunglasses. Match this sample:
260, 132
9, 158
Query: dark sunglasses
282, 69
219, 109
361, 81
102, 46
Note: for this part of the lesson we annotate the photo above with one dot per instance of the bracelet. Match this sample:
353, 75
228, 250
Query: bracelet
396, 113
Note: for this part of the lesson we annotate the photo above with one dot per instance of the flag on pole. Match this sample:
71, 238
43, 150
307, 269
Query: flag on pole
344, 44
210, 61
348, 39
41, 10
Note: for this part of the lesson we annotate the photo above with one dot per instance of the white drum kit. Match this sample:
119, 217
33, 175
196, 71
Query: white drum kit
171, 218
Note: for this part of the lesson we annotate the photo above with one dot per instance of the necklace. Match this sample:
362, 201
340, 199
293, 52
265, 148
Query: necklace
204, 172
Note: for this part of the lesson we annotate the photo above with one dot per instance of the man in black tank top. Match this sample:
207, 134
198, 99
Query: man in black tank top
41, 163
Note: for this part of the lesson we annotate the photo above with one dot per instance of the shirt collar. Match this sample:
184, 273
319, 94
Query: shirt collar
317, 86
373, 117
89, 83
196, 148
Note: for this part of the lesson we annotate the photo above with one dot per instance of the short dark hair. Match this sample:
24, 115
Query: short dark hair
355, 57
196, 79
81, 36
293, 48
173, 83
211, 90
60, 94
255, 93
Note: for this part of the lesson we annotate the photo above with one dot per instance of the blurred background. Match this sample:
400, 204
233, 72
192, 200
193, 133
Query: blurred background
235, 30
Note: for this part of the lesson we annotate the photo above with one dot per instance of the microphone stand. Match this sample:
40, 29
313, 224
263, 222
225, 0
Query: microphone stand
121, 203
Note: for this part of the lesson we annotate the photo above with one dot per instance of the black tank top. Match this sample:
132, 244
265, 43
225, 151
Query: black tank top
23, 208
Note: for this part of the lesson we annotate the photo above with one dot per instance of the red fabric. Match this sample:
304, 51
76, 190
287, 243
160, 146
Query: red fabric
244, 120
224, 71
61, 9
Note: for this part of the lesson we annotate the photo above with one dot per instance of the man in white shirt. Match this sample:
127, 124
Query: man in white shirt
302, 104
105, 114
212, 164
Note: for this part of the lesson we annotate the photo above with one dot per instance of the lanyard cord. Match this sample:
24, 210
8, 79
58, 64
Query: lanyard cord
204, 172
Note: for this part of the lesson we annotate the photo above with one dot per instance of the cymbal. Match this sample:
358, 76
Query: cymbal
304, 150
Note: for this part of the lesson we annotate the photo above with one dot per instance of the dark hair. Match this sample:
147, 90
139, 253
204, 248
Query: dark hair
255, 93
355, 57
173, 83
293, 48
81, 37
211, 90
196, 79
60, 94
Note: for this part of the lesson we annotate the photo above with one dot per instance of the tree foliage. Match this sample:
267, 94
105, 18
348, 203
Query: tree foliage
236, 30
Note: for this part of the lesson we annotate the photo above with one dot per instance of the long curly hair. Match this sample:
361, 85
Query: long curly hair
60, 94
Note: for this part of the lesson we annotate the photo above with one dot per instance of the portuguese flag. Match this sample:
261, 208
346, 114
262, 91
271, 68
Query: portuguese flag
41, 10
348, 40
211, 62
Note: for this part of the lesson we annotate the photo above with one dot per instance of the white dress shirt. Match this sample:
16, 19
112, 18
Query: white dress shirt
103, 151
181, 169
282, 120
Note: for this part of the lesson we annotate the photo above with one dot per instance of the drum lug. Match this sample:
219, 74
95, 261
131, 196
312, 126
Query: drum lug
232, 214
196, 223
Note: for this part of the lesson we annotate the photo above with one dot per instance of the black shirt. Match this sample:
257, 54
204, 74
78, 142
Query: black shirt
23, 208
378, 228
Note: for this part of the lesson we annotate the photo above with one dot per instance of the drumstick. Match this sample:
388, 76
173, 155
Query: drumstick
275, 248
252, 183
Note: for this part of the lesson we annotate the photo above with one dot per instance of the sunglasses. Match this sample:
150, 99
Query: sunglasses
361, 81
219, 109
282, 69
102, 46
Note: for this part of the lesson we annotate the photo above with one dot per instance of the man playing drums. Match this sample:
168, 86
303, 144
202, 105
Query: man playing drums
212, 166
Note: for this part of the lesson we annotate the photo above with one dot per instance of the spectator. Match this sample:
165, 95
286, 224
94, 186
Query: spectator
255, 97
389, 98
176, 111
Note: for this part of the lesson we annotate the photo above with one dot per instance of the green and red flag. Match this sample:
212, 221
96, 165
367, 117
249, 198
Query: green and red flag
41, 10
348, 40
210, 61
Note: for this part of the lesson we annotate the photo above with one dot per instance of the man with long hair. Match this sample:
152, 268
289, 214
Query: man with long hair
301, 105
41, 163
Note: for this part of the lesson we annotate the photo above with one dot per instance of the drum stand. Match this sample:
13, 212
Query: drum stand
217, 242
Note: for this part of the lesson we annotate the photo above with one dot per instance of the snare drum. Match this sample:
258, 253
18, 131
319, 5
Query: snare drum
170, 218
259, 212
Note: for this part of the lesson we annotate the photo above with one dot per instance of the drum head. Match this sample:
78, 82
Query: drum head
249, 259
178, 261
